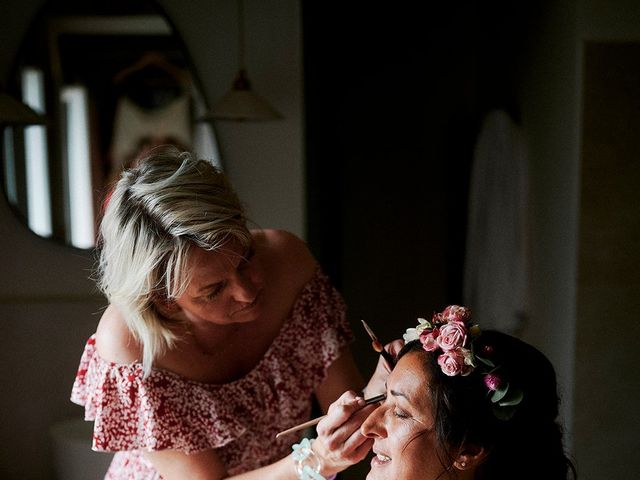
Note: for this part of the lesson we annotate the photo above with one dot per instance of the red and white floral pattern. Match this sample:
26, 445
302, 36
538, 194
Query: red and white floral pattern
239, 419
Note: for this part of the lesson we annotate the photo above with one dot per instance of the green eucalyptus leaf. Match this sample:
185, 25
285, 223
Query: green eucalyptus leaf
486, 361
514, 398
504, 413
500, 393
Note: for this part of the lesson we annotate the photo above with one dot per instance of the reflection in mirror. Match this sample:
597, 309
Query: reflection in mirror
113, 80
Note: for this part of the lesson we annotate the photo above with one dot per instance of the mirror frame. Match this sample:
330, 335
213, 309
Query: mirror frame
57, 25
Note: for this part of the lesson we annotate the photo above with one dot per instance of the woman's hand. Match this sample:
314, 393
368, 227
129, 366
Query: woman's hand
378, 381
340, 443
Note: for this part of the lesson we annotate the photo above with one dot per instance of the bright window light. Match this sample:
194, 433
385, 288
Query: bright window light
78, 168
37, 164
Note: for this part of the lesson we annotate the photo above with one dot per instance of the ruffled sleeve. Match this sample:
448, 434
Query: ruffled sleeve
162, 411
325, 311
319, 330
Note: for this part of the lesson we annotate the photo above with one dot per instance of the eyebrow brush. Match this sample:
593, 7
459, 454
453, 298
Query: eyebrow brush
378, 347
310, 423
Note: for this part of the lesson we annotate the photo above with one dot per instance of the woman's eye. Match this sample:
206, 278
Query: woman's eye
215, 292
400, 413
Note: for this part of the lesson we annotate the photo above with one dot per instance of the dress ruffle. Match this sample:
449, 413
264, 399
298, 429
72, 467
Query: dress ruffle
132, 412
239, 419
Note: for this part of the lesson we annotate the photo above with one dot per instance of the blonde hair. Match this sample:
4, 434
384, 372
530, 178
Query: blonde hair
157, 212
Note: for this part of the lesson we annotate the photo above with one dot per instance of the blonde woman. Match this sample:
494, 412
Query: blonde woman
216, 336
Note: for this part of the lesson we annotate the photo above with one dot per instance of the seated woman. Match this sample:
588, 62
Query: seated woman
465, 404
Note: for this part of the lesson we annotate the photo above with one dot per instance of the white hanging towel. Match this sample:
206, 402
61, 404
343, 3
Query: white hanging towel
134, 125
496, 272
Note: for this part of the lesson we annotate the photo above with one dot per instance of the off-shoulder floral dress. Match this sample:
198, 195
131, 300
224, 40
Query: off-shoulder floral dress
239, 419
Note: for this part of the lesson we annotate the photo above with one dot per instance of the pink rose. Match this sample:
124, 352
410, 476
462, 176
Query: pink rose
456, 313
429, 339
452, 363
452, 335
492, 381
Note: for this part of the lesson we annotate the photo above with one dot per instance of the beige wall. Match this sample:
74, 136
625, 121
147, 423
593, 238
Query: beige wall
264, 160
585, 209
607, 388
550, 118
609, 267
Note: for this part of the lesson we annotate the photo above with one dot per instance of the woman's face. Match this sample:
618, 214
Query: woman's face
403, 427
226, 286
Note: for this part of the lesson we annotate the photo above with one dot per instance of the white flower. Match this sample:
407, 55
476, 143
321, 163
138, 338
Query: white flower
414, 333
410, 335
423, 324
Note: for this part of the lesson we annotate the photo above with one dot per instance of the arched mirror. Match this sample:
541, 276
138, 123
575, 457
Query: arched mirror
112, 79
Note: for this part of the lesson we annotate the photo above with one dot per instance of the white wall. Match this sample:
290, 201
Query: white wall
47, 304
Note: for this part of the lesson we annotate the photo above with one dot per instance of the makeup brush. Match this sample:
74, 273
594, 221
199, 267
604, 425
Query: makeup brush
310, 423
378, 347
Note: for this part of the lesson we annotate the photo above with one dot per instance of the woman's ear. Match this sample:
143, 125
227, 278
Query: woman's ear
470, 456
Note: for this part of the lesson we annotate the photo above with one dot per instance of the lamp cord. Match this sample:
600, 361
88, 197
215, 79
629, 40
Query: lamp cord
241, 64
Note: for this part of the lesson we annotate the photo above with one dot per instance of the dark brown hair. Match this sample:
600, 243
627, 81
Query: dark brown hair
526, 446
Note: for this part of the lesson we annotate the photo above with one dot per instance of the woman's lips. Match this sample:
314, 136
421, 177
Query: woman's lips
380, 459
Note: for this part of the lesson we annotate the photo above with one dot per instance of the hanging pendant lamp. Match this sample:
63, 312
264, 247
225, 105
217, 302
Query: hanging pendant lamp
241, 102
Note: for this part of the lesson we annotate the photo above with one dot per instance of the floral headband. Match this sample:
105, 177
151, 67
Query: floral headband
452, 332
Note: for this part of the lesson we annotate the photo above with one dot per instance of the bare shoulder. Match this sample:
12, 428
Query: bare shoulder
114, 340
287, 254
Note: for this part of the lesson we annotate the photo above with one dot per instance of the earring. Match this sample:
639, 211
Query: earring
463, 464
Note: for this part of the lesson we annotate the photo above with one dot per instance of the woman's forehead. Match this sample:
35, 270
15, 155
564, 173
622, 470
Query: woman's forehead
230, 251
206, 265
410, 380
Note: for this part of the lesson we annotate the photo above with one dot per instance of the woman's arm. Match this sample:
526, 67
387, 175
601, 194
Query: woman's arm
338, 446
206, 465
342, 375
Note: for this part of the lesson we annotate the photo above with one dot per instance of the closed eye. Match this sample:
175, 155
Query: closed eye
215, 291
400, 413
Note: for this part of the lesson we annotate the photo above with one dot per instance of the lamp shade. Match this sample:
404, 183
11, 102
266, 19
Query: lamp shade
14, 112
242, 103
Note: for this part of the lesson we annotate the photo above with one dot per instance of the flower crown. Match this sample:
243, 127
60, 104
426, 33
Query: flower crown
452, 332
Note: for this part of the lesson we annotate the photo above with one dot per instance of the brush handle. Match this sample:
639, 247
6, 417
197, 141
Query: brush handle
302, 426
378, 347
315, 421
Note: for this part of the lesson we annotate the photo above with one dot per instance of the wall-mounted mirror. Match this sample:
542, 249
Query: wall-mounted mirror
113, 79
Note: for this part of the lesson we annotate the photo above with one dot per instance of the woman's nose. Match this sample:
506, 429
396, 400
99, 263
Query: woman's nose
373, 426
245, 288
